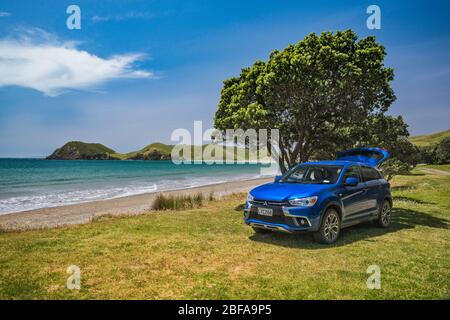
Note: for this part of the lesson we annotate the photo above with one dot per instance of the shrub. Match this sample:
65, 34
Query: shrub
436, 154
393, 167
428, 154
442, 151
178, 202
198, 199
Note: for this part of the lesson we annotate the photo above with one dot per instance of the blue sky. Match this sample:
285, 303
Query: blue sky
145, 68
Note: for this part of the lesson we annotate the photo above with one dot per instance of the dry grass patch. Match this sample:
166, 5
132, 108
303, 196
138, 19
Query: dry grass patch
178, 202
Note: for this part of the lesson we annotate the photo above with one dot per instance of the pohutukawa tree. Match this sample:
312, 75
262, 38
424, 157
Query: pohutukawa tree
318, 93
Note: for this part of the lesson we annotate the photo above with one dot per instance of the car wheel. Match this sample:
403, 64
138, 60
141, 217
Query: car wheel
330, 228
384, 216
260, 230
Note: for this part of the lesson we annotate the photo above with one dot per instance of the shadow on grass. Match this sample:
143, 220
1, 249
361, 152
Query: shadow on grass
403, 188
402, 219
415, 201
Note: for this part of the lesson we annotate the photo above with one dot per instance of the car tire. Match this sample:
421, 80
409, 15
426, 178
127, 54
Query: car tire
384, 216
330, 228
260, 230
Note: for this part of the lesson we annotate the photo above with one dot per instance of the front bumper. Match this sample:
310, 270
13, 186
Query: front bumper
285, 218
274, 226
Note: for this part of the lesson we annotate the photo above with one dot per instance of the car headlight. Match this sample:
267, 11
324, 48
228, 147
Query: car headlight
250, 198
303, 202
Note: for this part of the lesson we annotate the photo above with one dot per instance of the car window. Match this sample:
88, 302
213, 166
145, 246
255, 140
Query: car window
352, 171
313, 174
298, 174
370, 174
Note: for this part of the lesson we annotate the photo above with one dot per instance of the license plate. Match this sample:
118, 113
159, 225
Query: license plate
265, 212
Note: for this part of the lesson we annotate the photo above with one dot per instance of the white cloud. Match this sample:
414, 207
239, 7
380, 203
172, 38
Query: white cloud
53, 67
4, 14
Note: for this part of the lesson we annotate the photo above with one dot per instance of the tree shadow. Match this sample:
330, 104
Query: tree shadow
415, 201
401, 219
403, 188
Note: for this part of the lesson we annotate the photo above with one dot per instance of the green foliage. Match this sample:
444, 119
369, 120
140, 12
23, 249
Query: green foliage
377, 130
154, 151
443, 151
386, 132
393, 167
165, 148
436, 154
427, 154
82, 150
316, 92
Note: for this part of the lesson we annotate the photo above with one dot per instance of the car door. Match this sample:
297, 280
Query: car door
371, 178
353, 197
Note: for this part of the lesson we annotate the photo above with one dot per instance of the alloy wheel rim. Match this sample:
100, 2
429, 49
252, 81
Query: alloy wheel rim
386, 214
331, 227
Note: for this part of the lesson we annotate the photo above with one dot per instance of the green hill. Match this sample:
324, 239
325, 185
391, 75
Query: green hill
430, 139
161, 151
77, 150
154, 151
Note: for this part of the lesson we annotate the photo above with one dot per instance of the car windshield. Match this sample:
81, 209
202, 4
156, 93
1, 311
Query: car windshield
313, 174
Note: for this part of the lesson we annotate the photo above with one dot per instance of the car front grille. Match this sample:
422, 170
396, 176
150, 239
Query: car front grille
278, 215
269, 203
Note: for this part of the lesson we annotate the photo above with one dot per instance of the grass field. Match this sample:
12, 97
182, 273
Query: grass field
208, 253
443, 167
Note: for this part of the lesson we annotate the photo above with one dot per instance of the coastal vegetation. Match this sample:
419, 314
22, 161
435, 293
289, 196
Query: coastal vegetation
179, 202
75, 150
78, 150
208, 253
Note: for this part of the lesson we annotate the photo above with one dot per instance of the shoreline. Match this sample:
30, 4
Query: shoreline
85, 212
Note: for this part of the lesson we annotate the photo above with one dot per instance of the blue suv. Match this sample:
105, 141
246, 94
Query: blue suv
323, 197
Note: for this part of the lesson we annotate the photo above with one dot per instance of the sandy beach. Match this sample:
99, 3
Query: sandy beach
131, 205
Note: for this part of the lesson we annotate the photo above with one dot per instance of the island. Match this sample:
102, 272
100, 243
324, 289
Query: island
78, 150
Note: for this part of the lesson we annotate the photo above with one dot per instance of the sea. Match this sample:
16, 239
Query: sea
27, 184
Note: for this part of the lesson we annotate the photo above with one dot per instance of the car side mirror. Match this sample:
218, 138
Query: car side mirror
277, 178
351, 181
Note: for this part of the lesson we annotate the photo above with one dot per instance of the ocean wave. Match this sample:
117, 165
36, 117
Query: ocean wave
60, 198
